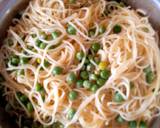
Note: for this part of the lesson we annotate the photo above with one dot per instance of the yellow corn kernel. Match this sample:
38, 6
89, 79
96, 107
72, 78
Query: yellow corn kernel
38, 60
103, 65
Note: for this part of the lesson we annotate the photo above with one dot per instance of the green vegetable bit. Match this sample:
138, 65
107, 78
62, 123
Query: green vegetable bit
105, 74
117, 29
42, 46
71, 113
38, 42
87, 84
101, 82
57, 70
57, 125
72, 1
133, 124
95, 47
150, 76
71, 78
94, 88
120, 119
142, 124
84, 75
38, 87
102, 29
91, 32
79, 84
118, 97
30, 107
24, 60
55, 35
71, 30
80, 55
23, 99
90, 67
46, 63
93, 77
72, 95
14, 60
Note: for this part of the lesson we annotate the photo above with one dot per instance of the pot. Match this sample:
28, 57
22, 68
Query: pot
10, 8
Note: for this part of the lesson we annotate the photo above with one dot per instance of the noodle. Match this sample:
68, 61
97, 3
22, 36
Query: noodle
128, 50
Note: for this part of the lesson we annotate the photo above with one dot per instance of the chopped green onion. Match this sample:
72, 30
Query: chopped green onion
23, 99
38, 42
42, 46
120, 119
93, 77
142, 124
80, 55
87, 84
71, 113
71, 30
30, 107
55, 35
133, 124
95, 47
118, 97
46, 63
105, 74
79, 84
38, 87
84, 75
57, 70
150, 76
102, 29
72, 95
117, 29
71, 78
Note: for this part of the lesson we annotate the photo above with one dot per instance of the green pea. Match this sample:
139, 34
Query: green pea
1, 78
72, 95
118, 97
120, 119
105, 74
80, 55
46, 63
55, 35
71, 113
93, 77
84, 75
38, 87
142, 124
79, 84
95, 47
133, 124
90, 67
42, 46
24, 60
94, 88
23, 99
72, 1
57, 70
57, 125
71, 78
87, 84
117, 29
71, 30
30, 107
101, 82
102, 29
15, 60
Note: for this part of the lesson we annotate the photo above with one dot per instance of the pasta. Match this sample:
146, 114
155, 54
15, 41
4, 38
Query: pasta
82, 64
